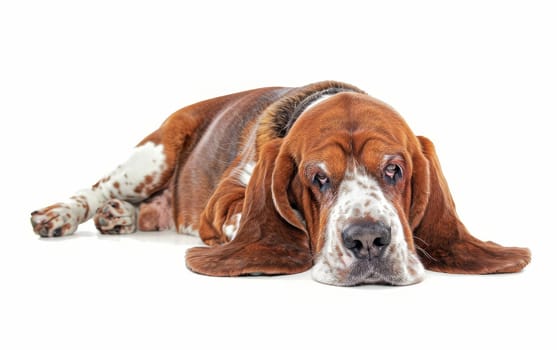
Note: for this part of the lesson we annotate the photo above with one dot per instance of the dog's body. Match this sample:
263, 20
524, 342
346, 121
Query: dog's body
278, 180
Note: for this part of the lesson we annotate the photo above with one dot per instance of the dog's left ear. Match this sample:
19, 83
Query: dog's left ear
442, 241
265, 243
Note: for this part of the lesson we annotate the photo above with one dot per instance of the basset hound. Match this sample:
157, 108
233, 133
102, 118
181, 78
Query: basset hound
283, 180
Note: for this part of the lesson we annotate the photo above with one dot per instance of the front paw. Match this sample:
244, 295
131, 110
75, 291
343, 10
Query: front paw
116, 217
54, 221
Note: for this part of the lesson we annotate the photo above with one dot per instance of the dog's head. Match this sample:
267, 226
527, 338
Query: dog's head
348, 169
351, 191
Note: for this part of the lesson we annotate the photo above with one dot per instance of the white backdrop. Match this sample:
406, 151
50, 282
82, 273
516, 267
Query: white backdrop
82, 82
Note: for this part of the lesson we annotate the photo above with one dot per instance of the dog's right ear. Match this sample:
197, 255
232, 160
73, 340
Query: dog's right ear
265, 243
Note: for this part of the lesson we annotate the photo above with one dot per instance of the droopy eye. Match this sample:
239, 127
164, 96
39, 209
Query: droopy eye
322, 181
393, 173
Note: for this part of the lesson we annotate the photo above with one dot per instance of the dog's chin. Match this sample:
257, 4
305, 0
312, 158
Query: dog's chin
369, 280
366, 273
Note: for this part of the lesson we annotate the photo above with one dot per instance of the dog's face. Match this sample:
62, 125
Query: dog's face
351, 181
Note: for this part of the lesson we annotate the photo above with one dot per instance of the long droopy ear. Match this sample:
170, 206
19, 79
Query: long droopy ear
284, 172
265, 242
442, 240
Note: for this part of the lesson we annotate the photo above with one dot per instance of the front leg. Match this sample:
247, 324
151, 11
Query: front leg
62, 219
116, 217
221, 218
144, 173
57, 220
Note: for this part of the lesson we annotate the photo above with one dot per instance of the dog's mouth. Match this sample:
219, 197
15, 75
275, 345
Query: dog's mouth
393, 268
384, 272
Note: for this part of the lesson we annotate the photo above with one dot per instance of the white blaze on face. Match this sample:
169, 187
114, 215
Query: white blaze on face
361, 198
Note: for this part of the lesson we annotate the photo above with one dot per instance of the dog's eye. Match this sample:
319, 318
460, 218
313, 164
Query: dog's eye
322, 181
393, 173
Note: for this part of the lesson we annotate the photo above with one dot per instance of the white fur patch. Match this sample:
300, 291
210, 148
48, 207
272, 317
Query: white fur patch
132, 181
361, 197
147, 160
232, 229
245, 172
189, 230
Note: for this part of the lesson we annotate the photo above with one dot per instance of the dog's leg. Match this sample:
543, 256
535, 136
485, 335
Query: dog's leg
116, 217
155, 214
220, 221
144, 173
147, 172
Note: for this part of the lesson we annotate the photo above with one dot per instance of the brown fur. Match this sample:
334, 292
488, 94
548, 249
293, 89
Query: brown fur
424, 202
283, 214
265, 243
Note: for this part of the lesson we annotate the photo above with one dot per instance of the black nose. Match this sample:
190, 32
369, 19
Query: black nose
366, 239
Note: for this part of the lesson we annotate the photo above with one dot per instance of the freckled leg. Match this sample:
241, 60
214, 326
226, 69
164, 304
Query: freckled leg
54, 221
144, 173
120, 217
116, 217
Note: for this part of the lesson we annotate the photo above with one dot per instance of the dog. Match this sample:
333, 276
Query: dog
282, 180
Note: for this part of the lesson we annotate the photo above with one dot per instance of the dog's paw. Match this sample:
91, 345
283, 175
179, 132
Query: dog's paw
116, 217
54, 221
